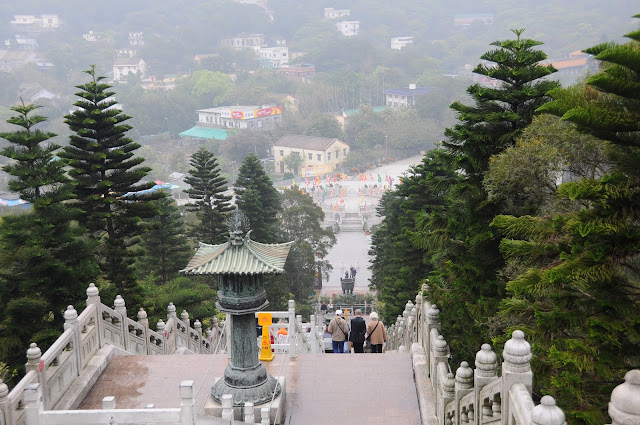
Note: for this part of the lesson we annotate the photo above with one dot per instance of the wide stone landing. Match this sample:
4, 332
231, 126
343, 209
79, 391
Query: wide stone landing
367, 389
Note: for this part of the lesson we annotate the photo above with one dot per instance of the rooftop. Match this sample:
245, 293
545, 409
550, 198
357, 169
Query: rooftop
299, 141
239, 256
409, 91
205, 133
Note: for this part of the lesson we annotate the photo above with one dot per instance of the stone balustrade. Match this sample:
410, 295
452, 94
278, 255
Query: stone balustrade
97, 329
482, 396
100, 329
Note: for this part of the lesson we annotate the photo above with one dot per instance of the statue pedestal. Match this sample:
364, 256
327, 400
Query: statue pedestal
276, 411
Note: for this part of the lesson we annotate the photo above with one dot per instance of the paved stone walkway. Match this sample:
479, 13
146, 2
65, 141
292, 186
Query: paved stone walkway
367, 389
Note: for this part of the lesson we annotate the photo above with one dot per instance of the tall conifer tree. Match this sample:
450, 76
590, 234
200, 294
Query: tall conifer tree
580, 297
258, 200
166, 248
106, 177
212, 206
45, 262
464, 281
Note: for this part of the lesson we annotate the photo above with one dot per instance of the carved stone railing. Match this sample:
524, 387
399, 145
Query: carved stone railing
100, 326
85, 335
481, 396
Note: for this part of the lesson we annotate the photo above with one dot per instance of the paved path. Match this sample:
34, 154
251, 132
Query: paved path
363, 389
352, 249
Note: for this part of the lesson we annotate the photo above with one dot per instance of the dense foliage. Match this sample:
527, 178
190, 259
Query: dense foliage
40, 249
107, 181
210, 204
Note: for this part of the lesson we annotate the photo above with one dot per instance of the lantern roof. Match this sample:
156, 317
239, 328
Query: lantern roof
238, 255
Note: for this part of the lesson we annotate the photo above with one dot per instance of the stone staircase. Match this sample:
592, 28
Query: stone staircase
351, 222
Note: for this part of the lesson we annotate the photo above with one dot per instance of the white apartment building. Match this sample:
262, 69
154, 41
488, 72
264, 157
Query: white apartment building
262, 117
243, 41
405, 97
273, 57
348, 28
123, 66
397, 43
43, 21
331, 13
136, 39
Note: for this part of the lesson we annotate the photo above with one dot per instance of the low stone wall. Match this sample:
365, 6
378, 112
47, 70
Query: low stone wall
483, 396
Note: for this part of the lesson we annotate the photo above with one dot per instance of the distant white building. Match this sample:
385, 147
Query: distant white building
90, 36
331, 13
243, 41
136, 39
43, 21
124, 66
397, 43
262, 117
348, 28
405, 97
273, 57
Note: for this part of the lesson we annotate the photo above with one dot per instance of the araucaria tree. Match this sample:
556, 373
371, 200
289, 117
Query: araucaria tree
464, 277
166, 249
258, 200
580, 295
106, 177
211, 205
45, 262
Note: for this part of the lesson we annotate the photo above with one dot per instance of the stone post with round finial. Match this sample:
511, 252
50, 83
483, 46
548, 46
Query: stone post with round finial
120, 307
516, 369
433, 322
5, 405
486, 371
184, 317
624, 407
93, 298
71, 322
464, 385
448, 395
547, 413
144, 322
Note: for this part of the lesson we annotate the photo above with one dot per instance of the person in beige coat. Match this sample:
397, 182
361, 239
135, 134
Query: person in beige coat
339, 330
377, 332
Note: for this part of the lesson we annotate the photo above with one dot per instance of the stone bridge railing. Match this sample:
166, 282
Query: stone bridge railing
481, 396
100, 327
90, 340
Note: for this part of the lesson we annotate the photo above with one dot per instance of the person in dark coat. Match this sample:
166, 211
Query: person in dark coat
358, 330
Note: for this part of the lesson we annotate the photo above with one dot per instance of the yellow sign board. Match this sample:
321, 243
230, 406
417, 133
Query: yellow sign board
264, 319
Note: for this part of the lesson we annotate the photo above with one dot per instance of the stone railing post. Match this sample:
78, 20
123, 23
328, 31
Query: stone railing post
184, 316
5, 414
249, 415
413, 326
120, 307
464, 385
71, 322
292, 329
624, 407
144, 322
93, 298
227, 407
440, 355
447, 395
433, 322
400, 334
160, 328
313, 334
419, 318
33, 401
547, 413
187, 403
516, 369
486, 371
34, 358
197, 327
264, 416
